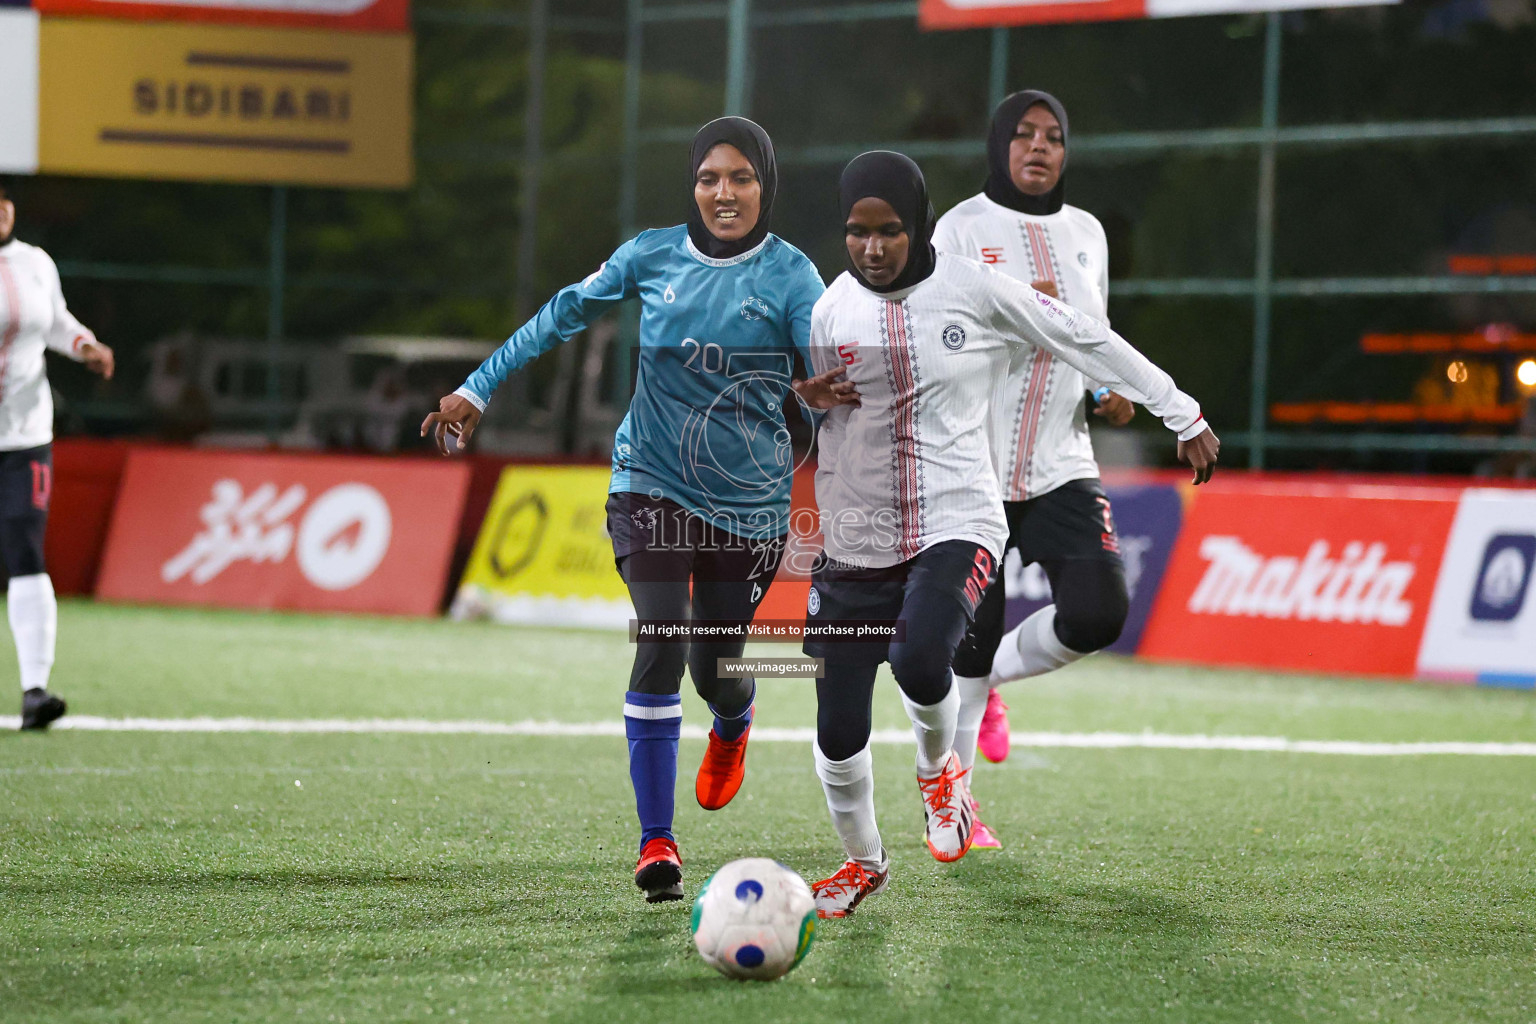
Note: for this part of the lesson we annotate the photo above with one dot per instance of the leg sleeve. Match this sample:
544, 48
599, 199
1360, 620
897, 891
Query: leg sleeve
974, 655
730, 579
843, 706
658, 587
1091, 601
943, 591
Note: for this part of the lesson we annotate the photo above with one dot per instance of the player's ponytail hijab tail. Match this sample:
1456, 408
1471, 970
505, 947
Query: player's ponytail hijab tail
1005, 122
898, 180
754, 144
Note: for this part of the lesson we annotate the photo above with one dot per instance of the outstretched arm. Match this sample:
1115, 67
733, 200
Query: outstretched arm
571, 310
1100, 354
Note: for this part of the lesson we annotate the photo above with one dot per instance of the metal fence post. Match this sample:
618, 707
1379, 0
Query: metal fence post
628, 188
627, 340
997, 84
738, 58
277, 272
533, 159
1264, 246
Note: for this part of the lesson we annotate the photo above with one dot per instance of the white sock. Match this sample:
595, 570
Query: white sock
934, 727
973, 705
34, 615
850, 789
1032, 649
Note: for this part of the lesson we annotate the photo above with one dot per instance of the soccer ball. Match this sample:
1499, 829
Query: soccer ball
754, 918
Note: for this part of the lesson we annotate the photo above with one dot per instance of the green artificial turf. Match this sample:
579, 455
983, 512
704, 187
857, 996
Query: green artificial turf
187, 877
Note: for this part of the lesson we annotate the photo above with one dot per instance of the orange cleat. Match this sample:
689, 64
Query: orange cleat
950, 823
721, 773
660, 871
847, 888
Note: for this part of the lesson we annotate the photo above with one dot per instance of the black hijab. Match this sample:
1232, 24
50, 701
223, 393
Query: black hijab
896, 179
1005, 122
757, 147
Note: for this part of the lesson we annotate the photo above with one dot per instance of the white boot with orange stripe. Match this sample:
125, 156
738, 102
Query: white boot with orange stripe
951, 822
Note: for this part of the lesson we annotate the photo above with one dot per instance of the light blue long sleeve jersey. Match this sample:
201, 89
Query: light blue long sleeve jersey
706, 427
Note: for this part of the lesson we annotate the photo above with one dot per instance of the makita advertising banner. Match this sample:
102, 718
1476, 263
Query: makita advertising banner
1147, 524
311, 533
1325, 578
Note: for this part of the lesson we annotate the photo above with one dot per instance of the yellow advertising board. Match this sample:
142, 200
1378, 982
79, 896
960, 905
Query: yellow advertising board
543, 556
200, 102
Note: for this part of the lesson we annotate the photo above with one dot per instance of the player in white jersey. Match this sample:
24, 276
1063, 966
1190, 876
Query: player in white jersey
1058, 514
33, 318
911, 514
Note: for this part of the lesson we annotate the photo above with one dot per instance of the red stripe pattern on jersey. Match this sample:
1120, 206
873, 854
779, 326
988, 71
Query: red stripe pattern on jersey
1044, 260
12, 319
906, 469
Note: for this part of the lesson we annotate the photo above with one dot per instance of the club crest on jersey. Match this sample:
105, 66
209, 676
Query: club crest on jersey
1082, 259
753, 308
813, 602
954, 337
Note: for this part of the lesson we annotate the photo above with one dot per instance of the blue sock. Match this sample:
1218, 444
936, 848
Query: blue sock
653, 722
731, 728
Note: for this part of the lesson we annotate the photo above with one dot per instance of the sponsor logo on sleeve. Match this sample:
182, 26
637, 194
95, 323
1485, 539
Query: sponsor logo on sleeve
1056, 311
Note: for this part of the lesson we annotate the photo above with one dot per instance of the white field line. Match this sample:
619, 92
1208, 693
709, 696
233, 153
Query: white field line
765, 734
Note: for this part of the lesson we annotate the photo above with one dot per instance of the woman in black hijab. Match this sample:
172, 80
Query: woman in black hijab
727, 241
912, 516
893, 179
698, 504
1008, 165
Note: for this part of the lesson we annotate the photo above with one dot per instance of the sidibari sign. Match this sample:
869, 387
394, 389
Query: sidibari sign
298, 106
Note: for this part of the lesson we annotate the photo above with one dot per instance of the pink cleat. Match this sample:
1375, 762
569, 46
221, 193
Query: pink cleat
993, 739
984, 838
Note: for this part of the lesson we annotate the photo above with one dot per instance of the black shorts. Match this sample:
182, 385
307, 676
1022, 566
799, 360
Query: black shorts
26, 482
26, 488
845, 593
1072, 521
640, 523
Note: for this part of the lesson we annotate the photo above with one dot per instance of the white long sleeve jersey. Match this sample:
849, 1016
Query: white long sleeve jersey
1040, 433
911, 466
33, 318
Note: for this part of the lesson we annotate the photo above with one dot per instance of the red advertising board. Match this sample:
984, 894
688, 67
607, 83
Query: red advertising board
996, 13
1325, 578
86, 476
934, 14
311, 533
359, 15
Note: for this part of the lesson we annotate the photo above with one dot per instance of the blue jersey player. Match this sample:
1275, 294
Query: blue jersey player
698, 506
